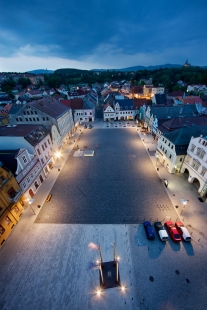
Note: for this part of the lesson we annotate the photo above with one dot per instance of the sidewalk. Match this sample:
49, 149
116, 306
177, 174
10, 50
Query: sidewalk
194, 213
28, 216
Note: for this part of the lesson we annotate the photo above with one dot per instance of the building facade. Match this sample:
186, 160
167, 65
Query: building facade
10, 203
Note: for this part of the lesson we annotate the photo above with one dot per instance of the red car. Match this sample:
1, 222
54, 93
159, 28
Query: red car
173, 231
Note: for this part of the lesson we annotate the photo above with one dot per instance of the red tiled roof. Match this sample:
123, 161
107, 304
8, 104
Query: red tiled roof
75, 103
192, 100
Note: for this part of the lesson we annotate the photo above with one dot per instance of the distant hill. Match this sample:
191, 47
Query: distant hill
136, 68
41, 71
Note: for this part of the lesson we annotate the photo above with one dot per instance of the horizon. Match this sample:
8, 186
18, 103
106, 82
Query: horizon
101, 34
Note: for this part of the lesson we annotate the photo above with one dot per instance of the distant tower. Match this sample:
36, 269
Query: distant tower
186, 64
46, 70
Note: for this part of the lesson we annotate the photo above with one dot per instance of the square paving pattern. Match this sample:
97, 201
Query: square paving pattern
119, 184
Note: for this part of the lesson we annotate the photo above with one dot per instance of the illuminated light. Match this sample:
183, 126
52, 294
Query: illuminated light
58, 154
98, 292
118, 257
123, 288
97, 261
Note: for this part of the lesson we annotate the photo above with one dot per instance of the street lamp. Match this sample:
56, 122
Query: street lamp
184, 203
29, 202
58, 156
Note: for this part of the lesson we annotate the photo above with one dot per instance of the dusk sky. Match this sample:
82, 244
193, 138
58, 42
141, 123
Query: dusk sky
101, 34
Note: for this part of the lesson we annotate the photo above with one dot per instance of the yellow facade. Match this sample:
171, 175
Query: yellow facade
10, 207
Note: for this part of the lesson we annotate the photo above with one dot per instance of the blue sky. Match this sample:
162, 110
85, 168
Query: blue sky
101, 33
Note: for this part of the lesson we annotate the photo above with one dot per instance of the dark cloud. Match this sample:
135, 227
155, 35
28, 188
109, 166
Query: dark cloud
100, 30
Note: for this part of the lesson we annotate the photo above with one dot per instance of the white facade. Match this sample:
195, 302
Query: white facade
166, 153
29, 174
196, 162
196, 88
124, 114
157, 90
109, 114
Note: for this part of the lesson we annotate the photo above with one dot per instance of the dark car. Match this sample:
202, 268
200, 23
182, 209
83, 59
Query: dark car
161, 231
85, 126
90, 126
149, 230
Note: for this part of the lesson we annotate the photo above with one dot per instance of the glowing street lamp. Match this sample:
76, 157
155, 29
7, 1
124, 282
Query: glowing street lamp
58, 156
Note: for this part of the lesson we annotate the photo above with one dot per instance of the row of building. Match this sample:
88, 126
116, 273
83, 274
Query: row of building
32, 134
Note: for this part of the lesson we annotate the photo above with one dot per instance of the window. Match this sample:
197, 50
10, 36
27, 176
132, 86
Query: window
196, 164
192, 148
45, 144
2, 230
38, 151
43, 118
28, 112
203, 171
37, 118
24, 184
48, 141
170, 156
30, 119
172, 147
200, 153
188, 158
24, 159
42, 160
43, 148
34, 119
181, 159
7, 220
47, 118
35, 112
26, 119
32, 112
17, 119
24, 112
168, 144
11, 192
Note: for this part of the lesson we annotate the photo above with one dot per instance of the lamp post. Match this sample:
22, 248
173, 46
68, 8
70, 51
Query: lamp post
58, 156
29, 202
184, 203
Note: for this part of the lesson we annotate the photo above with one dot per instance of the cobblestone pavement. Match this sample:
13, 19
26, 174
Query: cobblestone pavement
118, 185
49, 266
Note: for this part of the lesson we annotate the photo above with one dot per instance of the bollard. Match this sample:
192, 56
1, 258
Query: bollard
117, 272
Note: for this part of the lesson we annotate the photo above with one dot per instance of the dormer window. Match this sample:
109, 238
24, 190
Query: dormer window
192, 148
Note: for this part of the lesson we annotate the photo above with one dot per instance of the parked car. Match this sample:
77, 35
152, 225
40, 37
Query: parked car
161, 231
185, 235
85, 126
90, 126
173, 231
149, 230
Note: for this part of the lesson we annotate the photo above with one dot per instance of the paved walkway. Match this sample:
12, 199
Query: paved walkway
49, 266
194, 214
